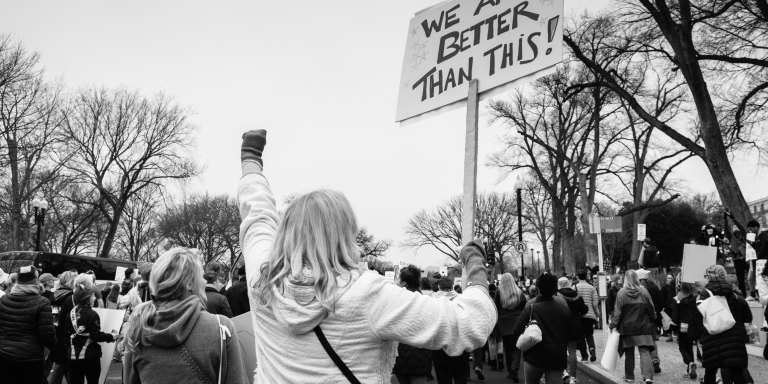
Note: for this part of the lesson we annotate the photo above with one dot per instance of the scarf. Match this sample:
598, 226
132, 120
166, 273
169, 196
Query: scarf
26, 289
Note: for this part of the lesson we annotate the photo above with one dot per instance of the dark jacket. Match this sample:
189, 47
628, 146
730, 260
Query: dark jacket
554, 318
688, 313
634, 313
237, 295
143, 290
62, 302
727, 349
651, 257
88, 322
216, 303
507, 317
610, 301
578, 309
26, 326
412, 361
761, 245
48, 295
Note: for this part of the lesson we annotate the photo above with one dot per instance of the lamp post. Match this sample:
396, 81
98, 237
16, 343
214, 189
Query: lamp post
538, 259
519, 188
535, 272
40, 205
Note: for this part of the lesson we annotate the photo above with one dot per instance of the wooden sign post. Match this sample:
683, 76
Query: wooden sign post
470, 172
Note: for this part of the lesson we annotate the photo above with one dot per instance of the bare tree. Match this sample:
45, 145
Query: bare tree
72, 216
369, 246
124, 142
137, 237
537, 212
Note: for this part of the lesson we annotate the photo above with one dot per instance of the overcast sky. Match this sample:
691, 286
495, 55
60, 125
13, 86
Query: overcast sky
320, 76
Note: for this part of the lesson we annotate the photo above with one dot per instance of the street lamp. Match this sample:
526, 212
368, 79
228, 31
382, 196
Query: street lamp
538, 259
519, 188
40, 204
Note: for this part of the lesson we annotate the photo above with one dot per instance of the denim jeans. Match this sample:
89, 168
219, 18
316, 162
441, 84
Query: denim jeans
686, 347
588, 339
533, 375
646, 365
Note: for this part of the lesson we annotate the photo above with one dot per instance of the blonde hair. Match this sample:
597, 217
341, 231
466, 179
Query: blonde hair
83, 282
318, 231
631, 280
716, 272
510, 293
67, 279
176, 275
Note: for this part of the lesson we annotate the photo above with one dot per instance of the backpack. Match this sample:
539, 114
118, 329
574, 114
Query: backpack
716, 314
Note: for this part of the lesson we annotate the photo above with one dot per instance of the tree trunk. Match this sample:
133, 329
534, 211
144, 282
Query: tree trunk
13, 160
106, 247
638, 217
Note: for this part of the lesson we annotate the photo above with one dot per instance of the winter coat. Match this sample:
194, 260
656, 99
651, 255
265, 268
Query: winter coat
761, 245
634, 313
62, 301
412, 361
83, 339
688, 313
26, 326
508, 316
184, 347
610, 301
237, 296
651, 257
557, 329
591, 299
577, 306
726, 349
216, 303
370, 314
668, 293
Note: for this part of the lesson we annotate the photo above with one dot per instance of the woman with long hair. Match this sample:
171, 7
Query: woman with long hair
634, 316
311, 300
114, 293
173, 336
510, 302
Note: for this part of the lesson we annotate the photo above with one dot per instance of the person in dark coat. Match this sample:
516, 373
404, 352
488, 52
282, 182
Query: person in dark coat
685, 316
62, 304
510, 302
549, 357
711, 236
216, 303
578, 309
412, 364
647, 281
725, 351
47, 281
237, 295
613, 290
634, 317
26, 326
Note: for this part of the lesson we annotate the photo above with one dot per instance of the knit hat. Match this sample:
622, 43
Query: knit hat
642, 274
27, 275
45, 278
83, 292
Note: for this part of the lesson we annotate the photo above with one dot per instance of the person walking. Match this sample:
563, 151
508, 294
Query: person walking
237, 295
412, 364
172, 338
634, 317
215, 302
510, 302
549, 357
647, 281
311, 300
578, 308
26, 327
668, 294
83, 327
687, 317
589, 319
613, 291
449, 369
62, 304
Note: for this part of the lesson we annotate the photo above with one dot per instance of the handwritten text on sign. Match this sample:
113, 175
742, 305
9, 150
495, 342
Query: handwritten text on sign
494, 41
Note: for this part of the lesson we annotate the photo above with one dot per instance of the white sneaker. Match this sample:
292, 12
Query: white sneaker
572, 381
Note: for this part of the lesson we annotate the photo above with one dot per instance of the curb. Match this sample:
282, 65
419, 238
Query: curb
597, 373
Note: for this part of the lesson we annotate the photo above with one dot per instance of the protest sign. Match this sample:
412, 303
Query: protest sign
497, 42
696, 259
390, 276
111, 320
120, 273
611, 224
244, 326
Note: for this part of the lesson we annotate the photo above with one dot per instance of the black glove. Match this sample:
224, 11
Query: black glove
253, 146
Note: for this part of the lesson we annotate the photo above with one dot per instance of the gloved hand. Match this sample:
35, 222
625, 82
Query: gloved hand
253, 146
472, 255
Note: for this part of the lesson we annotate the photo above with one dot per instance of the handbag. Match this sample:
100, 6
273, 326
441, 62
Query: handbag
716, 313
532, 334
335, 357
611, 352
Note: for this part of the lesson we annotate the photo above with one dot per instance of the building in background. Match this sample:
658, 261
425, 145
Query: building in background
759, 209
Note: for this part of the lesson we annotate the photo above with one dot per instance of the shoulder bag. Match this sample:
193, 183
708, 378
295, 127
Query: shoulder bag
335, 357
716, 313
532, 334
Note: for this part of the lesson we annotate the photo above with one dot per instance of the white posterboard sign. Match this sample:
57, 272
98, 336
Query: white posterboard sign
497, 42
245, 336
641, 232
602, 285
111, 320
444, 271
120, 274
696, 259
390, 276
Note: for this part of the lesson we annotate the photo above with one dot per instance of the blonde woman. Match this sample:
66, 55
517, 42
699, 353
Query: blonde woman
310, 300
172, 339
634, 317
510, 302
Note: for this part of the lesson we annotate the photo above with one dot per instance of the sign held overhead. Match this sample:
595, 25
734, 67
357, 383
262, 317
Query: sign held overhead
494, 41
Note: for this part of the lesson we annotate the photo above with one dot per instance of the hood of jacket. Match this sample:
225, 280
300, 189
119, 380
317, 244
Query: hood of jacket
175, 321
632, 292
295, 305
61, 294
720, 287
450, 295
569, 294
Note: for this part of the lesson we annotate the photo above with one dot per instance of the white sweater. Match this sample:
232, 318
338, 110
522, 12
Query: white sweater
370, 315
